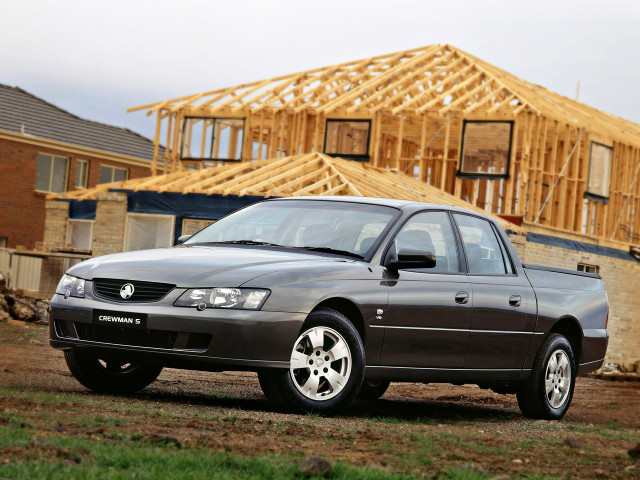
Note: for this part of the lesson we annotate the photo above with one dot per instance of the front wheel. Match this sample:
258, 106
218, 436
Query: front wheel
326, 368
110, 374
548, 392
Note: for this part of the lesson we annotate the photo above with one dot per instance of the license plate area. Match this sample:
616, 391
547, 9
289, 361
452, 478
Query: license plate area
110, 318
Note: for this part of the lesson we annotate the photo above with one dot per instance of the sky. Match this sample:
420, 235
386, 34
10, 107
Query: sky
98, 58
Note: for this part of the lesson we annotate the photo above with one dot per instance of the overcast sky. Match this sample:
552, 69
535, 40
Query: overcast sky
96, 59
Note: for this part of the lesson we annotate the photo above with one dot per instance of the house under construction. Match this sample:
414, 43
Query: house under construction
438, 114
433, 124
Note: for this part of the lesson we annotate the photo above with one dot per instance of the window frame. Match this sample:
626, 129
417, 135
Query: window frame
594, 196
213, 139
66, 173
68, 237
86, 173
462, 267
113, 170
587, 266
69, 262
364, 158
138, 214
501, 244
460, 171
182, 224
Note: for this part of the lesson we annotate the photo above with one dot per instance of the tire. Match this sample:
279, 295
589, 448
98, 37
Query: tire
548, 392
114, 376
373, 390
331, 383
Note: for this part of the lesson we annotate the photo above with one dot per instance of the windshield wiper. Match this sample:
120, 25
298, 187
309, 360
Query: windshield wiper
246, 242
313, 249
332, 250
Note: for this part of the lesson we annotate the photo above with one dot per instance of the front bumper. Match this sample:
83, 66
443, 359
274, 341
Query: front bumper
225, 339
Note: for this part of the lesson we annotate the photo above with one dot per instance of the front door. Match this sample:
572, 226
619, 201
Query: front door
429, 309
504, 305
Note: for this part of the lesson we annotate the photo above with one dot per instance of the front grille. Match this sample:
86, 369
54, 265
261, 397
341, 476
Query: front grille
124, 336
109, 288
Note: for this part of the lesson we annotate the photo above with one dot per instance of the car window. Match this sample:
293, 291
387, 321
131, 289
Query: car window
484, 254
431, 231
346, 226
368, 235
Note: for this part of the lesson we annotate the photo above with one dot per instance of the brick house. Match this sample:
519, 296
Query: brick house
45, 149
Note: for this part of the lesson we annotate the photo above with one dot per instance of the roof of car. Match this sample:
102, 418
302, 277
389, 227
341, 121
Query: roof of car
387, 202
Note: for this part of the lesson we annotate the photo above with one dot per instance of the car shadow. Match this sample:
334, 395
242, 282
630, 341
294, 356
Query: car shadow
429, 411
385, 410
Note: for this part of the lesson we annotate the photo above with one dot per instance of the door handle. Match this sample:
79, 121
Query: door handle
515, 300
462, 297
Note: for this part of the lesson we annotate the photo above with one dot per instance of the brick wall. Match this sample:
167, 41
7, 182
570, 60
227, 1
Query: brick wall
111, 218
22, 209
622, 281
55, 235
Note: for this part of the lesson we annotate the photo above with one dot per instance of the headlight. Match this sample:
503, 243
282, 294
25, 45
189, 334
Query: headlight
71, 286
234, 298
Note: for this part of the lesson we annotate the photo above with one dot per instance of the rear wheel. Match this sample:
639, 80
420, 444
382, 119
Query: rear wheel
373, 390
111, 374
326, 367
548, 392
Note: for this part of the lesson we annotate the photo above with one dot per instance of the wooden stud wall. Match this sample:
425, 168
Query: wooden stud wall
417, 101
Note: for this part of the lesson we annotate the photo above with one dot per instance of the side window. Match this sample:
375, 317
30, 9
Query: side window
82, 170
483, 249
431, 231
52, 173
110, 174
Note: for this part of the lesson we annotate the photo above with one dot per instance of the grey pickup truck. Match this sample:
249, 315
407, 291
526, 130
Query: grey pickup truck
329, 300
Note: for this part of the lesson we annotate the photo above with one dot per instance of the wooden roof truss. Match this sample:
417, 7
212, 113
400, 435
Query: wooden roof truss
417, 102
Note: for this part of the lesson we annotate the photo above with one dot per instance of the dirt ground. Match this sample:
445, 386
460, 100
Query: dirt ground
414, 429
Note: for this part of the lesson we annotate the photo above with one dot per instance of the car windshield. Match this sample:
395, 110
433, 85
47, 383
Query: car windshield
339, 227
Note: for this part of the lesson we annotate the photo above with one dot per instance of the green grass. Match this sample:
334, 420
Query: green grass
49, 455
611, 430
376, 419
53, 457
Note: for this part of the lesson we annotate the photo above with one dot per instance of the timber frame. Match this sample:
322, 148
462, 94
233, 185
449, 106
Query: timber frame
307, 174
417, 101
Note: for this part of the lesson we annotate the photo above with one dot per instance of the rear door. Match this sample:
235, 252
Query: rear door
504, 306
429, 309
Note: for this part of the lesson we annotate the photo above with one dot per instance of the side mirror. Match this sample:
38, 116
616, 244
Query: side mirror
183, 239
410, 258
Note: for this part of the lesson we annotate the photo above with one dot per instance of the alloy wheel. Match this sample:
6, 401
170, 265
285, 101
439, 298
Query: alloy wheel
320, 363
557, 381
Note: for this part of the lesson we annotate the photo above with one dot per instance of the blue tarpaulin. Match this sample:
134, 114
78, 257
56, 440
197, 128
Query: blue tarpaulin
580, 246
82, 210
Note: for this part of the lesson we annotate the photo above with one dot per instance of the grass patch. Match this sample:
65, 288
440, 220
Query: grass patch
23, 335
612, 431
60, 457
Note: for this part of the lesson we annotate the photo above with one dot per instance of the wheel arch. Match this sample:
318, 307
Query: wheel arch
348, 308
570, 328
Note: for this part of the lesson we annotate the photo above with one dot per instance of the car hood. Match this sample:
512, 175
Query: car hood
198, 266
